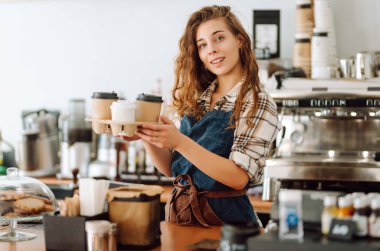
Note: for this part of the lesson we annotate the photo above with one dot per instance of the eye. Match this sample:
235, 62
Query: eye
219, 38
200, 46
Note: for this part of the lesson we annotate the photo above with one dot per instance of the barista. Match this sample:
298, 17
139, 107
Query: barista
228, 120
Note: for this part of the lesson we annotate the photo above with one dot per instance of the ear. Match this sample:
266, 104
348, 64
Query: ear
241, 40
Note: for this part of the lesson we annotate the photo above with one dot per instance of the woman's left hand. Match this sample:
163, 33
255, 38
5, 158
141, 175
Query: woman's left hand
164, 135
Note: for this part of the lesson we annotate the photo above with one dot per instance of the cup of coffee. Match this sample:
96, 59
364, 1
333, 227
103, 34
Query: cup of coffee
101, 103
123, 111
148, 108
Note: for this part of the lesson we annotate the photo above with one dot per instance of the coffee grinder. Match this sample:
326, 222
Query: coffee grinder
76, 147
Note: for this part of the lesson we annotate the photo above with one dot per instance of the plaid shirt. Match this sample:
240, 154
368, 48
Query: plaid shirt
251, 145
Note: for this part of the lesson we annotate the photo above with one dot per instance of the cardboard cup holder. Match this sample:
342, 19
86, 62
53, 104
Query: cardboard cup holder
101, 126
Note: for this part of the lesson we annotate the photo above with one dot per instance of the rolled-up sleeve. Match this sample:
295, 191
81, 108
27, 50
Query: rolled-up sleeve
252, 144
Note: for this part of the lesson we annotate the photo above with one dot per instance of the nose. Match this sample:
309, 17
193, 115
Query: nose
211, 49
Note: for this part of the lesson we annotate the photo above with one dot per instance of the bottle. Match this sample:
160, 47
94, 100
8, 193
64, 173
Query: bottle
345, 209
112, 237
131, 158
374, 219
360, 217
149, 169
3, 169
7, 153
1, 157
291, 225
330, 212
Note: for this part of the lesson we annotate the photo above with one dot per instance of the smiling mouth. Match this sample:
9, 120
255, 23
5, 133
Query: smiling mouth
218, 60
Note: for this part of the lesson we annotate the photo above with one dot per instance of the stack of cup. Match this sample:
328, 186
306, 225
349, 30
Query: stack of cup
101, 102
323, 45
304, 31
302, 53
123, 114
304, 17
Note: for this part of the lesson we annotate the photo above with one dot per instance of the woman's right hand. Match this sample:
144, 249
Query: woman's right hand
133, 138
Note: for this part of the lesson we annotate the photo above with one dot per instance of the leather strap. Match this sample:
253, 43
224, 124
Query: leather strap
208, 194
190, 188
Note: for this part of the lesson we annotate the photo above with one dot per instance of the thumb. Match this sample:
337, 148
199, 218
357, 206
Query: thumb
165, 120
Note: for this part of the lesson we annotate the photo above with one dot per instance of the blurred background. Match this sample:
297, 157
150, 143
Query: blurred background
55, 50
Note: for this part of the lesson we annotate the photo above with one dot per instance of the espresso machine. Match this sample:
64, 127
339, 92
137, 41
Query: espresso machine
329, 141
330, 137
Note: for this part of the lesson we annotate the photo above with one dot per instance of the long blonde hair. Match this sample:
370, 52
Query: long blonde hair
192, 79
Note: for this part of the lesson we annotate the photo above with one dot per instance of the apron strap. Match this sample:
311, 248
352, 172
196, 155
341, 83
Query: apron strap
193, 199
208, 194
194, 195
223, 194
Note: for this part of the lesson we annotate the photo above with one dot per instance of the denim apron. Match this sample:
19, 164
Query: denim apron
212, 132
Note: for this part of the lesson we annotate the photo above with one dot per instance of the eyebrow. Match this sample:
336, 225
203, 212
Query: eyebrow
211, 35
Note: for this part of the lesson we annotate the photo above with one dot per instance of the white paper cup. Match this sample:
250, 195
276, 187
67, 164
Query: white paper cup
123, 111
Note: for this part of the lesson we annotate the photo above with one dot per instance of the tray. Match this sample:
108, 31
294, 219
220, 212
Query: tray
100, 126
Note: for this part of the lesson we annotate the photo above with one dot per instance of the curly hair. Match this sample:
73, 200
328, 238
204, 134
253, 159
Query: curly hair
192, 79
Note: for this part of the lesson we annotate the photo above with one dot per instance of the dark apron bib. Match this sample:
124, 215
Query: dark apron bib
212, 132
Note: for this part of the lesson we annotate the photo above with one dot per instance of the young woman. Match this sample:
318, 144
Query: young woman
228, 120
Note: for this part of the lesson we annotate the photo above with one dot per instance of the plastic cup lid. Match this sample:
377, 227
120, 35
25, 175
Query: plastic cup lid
104, 95
150, 98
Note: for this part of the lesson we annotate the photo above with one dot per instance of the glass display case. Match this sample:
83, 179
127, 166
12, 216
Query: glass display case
23, 199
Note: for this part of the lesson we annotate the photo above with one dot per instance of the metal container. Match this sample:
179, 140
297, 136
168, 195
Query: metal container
97, 235
347, 68
38, 151
377, 63
364, 65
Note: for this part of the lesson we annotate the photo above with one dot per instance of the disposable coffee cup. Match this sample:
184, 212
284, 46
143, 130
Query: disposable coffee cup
123, 111
101, 103
148, 108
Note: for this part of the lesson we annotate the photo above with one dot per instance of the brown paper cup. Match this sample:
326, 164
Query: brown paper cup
148, 108
101, 103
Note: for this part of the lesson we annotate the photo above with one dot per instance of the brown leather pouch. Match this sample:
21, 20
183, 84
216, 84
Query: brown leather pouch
187, 206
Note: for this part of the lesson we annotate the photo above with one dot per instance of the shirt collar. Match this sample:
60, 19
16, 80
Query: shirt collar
231, 96
233, 93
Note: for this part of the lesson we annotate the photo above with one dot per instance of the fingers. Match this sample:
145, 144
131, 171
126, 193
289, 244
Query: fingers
148, 138
147, 132
126, 138
165, 120
155, 127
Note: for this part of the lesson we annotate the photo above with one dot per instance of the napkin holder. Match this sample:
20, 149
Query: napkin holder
67, 233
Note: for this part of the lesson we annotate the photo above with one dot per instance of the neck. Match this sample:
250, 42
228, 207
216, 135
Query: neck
227, 82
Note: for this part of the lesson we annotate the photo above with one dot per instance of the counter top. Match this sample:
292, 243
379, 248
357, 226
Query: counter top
173, 237
259, 205
312, 241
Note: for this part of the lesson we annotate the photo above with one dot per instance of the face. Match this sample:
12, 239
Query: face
218, 48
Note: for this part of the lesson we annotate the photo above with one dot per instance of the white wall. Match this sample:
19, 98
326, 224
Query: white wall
54, 50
